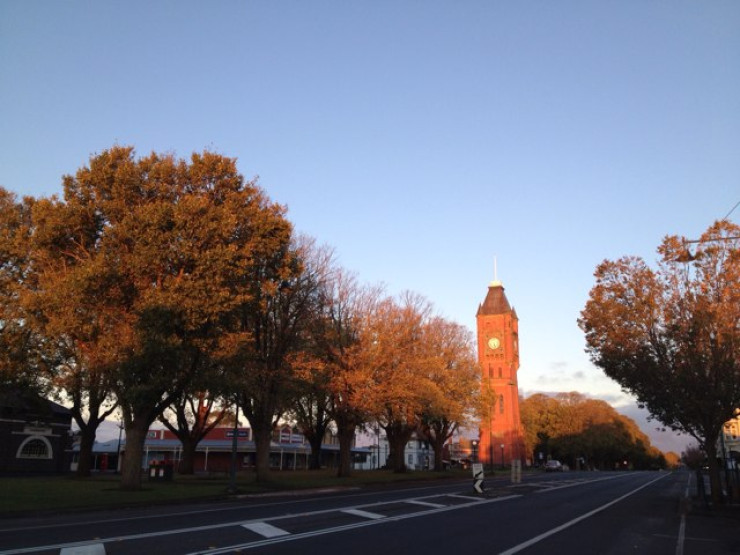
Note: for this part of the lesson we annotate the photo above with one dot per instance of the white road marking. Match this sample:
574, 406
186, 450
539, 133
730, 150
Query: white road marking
265, 530
563, 484
562, 527
181, 514
468, 497
682, 527
424, 503
176, 531
91, 549
363, 514
325, 531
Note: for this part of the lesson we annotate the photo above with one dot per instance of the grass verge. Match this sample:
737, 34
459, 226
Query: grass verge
23, 495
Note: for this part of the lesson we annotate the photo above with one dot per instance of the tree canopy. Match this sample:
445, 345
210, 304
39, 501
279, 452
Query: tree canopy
175, 289
671, 335
140, 270
585, 432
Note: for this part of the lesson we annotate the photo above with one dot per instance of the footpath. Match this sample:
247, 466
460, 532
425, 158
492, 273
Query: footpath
711, 529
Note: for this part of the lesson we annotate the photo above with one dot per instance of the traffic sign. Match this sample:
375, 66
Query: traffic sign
478, 477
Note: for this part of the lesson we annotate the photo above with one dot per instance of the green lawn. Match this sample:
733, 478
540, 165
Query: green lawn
44, 494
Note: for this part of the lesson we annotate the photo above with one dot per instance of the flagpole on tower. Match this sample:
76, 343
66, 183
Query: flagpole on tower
495, 282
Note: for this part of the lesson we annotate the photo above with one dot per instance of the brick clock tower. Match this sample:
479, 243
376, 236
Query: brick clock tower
501, 433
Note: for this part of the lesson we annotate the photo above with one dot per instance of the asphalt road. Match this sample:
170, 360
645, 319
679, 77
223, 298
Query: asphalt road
574, 513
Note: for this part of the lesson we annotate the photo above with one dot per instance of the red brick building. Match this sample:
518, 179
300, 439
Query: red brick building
501, 433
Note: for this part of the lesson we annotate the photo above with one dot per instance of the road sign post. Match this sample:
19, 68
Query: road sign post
516, 471
478, 477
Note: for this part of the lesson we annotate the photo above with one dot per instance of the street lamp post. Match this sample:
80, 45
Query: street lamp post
490, 443
118, 451
502, 457
377, 442
232, 470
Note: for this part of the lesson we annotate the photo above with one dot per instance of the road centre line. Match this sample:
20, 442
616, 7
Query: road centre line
325, 531
92, 549
576, 520
545, 488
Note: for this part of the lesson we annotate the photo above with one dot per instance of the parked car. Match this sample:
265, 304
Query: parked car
553, 466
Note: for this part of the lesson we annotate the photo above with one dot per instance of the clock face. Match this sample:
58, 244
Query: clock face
494, 343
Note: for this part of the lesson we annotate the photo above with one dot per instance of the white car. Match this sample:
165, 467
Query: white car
553, 466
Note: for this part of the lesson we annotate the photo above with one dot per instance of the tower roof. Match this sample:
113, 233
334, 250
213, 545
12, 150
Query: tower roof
495, 301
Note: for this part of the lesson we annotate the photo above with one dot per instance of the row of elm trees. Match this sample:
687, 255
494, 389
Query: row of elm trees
172, 289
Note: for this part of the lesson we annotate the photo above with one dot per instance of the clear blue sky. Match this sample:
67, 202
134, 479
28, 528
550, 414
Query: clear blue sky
420, 139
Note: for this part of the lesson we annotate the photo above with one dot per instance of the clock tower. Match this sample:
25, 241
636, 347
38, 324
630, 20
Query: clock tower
501, 433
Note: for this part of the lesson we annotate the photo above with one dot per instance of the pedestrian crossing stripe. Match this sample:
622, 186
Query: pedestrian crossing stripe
425, 503
363, 514
265, 530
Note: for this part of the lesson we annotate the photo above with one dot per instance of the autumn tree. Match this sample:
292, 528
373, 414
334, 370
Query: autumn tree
274, 321
310, 405
85, 386
672, 459
33, 355
140, 266
574, 428
343, 337
205, 404
21, 347
398, 359
693, 457
454, 379
191, 417
671, 335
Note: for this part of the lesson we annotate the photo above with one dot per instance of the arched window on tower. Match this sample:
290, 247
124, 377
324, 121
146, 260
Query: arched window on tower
501, 404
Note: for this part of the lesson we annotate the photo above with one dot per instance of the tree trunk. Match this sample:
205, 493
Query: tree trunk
262, 440
398, 452
187, 463
398, 436
315, 459
315, 436
346, 436
87, 440
437, 445
437, 435
715, 483
131, 467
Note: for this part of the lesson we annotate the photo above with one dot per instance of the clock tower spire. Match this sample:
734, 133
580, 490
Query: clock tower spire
501, 433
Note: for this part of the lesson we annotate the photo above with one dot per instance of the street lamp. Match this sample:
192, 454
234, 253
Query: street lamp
687, 256
377, 442
118, 451
502, 456
231, 489
490, 447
